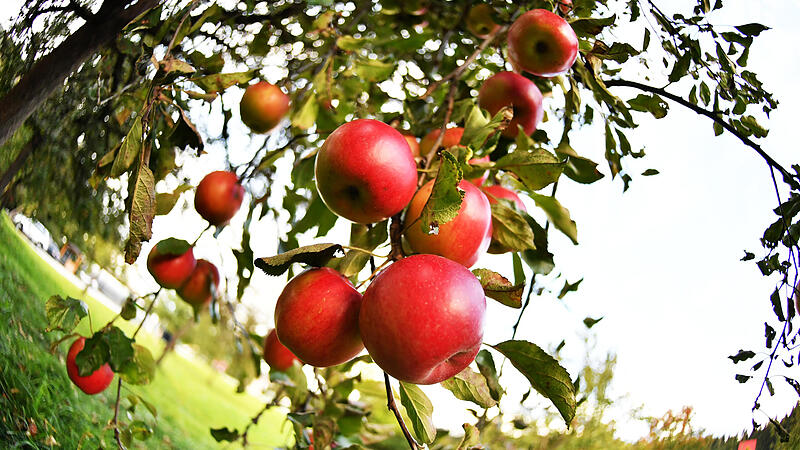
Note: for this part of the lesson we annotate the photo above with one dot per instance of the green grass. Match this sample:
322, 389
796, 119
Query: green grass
39, 403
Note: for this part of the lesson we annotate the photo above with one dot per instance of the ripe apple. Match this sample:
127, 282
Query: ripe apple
422, 319
452, 136
365, 171
479, 20
493, 193
197, 290
512, 89
218, 196
463, 239
565, 6
316, 317
93, 383
168, 265
542, 43
263, 106
412, 144
276, 354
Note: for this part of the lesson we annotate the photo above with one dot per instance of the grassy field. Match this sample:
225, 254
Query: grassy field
39, 406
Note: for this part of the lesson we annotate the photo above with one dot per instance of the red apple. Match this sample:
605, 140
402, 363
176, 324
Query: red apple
422, 319
365, 171
452, 136
542, 43
463, 239
93, 383
197, 290
512, 89
482, 179
170, 262
412, 144
218, 196
479, 20
316, 317
493, 193
276, 354
263, 106
565, 7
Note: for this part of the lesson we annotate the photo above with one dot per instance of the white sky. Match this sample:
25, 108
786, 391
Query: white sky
660, 262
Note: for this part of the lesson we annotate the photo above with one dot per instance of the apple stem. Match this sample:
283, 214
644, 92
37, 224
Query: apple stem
390, 403
395, 237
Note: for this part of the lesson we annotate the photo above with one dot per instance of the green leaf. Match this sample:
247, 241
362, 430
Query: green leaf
544, 373
445, 200
681, 67
653, 104
120, 348
498, 287
221, 81
650, 172
537, 169
316, 255
478, 127
173, 68
558, 215
324, 430
184, 134
141, 368
365, 238
305, 117
743, 355
717, 129
539, 260
470, 386
591, 26
569, 287
207, 64
590, 322
224, 434
510, 229
166, 201
142, 197
93, 355
373, 70
578, 168
487, 368
519, 274
471, 438
350, 43
419, 409
752, 29
129, 149
64, 314
128, 310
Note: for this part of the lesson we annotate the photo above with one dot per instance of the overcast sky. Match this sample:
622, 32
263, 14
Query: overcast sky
660, 262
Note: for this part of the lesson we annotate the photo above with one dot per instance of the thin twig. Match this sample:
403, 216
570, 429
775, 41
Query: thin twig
787, 177
254, 420
116, 416
395, 237
147, 313
390, 403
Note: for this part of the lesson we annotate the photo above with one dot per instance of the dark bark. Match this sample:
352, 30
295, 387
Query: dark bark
18, 162
48, 74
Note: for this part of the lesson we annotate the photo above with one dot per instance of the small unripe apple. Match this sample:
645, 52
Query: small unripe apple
218, 196
365, 171
493, 193
168, 266
463, 239
413, 145
512, 89
201, 285
422, 319
93, 383
452, 136
479, 20
316, 317
263, 106
276, 354
542, 43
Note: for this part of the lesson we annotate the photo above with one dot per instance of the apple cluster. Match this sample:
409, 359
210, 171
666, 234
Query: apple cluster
421, 319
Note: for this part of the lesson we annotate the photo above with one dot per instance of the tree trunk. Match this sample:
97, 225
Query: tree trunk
49, 73
15, 165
